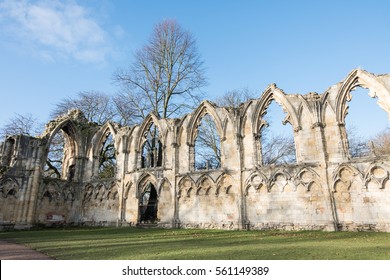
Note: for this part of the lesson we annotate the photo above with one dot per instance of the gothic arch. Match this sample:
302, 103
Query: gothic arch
148, 121
204, 189
148, 197
274, 93
100, 137
9, 186
280, 178
161, 185
243, 117
306, 177
378, 173
143, 182
224, 184
69, 129
346, 175
186, 185
155, 154
97, 144
309, 108
127, 190
113, 191
88, 193
204, 108
361, 78
256, 180
52, 191
72, 148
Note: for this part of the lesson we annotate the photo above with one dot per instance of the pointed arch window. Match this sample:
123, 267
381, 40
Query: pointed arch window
207, 146
367, 134
276, 139
151, 156
55, 157
61, 154
107, 158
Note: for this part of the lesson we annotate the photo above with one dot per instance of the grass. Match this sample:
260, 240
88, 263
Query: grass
134, 243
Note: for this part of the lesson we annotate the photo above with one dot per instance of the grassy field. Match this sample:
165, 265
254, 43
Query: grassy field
134, 243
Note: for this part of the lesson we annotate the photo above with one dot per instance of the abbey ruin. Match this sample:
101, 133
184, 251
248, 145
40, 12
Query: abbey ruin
325, 189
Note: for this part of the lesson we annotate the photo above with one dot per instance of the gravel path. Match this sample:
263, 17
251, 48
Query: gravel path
13, 251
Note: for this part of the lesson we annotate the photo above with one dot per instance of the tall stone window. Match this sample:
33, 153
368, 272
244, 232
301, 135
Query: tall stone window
107, 158
61, 154
367, 130
207, 148
276, 137
151, 155
55, 157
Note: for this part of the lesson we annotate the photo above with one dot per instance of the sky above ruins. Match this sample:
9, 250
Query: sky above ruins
50, 50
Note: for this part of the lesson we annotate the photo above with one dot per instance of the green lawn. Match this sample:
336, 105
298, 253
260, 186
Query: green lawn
134, 243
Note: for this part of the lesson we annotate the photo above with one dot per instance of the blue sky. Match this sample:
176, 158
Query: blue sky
50, 50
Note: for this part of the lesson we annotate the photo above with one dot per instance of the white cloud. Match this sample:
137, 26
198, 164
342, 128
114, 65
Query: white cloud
55, 29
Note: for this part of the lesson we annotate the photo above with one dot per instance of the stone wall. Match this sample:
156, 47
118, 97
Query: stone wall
324, 190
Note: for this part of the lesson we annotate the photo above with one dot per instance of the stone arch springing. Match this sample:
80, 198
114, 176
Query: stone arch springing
354, 143
271, 147
204, 138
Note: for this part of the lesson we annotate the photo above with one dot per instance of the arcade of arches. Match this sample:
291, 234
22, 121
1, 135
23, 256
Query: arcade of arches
155, 179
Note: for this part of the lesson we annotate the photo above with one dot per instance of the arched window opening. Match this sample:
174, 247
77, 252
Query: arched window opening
107, 158
207, 145
277, 138
55, 157
148, 204
152, 148
367, 126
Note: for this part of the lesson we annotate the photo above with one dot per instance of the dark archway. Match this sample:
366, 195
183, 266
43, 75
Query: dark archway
148, 205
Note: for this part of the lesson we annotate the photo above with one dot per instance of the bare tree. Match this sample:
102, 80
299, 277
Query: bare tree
276, 147
53, 166
165, 76
233, 98
21, 124
357, 144
380, 144
96, 106
107, 159
207, 143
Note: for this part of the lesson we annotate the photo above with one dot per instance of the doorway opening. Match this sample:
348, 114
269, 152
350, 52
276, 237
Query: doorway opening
148, 205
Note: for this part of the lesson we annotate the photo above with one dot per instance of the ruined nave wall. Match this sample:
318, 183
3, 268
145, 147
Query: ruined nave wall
324, 189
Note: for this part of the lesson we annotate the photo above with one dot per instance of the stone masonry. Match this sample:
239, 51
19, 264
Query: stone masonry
324, 190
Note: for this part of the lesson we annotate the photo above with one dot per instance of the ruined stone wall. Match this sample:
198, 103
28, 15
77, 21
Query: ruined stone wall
324, 189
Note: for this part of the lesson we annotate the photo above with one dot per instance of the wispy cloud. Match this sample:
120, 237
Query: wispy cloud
55, 29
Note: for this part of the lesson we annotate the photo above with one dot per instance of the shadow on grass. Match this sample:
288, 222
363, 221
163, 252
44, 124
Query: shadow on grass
133, 243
